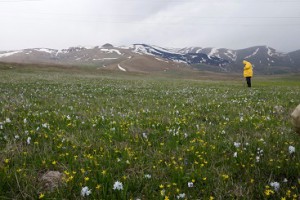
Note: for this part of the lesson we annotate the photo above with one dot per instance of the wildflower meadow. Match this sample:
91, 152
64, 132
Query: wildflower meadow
141, 137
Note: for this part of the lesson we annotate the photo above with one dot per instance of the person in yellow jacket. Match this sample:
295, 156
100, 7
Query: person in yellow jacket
248, 72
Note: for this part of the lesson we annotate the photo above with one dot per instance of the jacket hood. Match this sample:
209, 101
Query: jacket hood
244, 62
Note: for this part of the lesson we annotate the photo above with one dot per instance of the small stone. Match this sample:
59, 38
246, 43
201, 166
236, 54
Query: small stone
51, 180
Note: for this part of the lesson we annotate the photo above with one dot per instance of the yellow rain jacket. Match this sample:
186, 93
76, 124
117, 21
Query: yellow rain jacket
248, 72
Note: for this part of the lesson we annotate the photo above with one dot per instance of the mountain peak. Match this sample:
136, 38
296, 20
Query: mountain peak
107, 45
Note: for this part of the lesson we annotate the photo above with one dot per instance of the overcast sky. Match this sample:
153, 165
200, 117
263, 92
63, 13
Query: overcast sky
234, 24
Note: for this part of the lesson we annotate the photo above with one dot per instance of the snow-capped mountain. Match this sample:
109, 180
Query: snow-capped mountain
143, 57
187, 58
264, 58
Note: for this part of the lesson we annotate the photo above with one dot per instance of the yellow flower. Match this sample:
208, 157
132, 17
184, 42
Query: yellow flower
225, 176
211, 198
166, 198
269, 192
98, 186
103, 172
6, 160
54, 162
161, 186
86, 178
41, 196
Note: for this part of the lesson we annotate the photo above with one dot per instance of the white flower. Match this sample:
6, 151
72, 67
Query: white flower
118, 186
145, 135
235, 155
85, 191
7, 120
28, 140
1, 126
257, 158
237, 144
17, 137
148, 176
190, 184
181, 196
241, 118
45, 125
25, 121
291, 149
285, 180
275, 185
260, 151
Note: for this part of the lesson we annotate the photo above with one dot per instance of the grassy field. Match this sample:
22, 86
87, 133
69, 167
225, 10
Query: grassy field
116, 136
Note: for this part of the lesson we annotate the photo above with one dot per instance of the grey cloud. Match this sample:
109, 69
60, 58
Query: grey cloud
175, 23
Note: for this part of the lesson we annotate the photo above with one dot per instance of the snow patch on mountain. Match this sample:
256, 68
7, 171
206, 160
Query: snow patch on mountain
213, 52
140, 49
9, 53
145, 49
163, 49
121, 68
179, 61
231, 55
161, 60
273, 52
153, 50
253, 54
45, 50
111, 51
101, 59
125, 47
199, 50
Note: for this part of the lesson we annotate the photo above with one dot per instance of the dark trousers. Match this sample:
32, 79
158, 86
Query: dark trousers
248, 80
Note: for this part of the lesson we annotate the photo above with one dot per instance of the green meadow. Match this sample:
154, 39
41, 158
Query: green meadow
140, 136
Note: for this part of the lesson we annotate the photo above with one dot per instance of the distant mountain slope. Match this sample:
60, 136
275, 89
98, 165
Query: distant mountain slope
264, 58
143, 57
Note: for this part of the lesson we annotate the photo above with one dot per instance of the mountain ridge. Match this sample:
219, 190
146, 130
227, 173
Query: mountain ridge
265, 59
